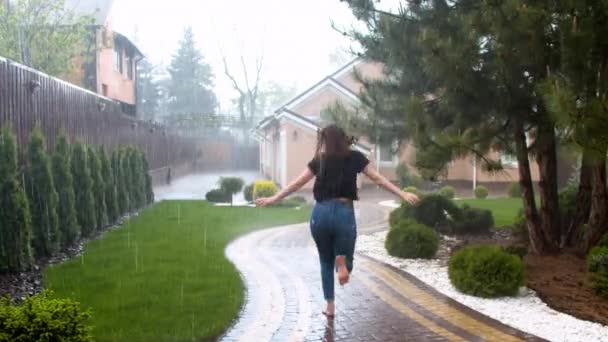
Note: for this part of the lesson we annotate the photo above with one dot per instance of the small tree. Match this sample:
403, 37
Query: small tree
15, 220
107, 173
98, 189
42, 197
64, 184
121, 190
148, 180
83, 190
231, 186
138, 185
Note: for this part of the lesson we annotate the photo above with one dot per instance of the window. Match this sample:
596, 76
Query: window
118, 57
104, 90
508, 160
386, 154
129, 62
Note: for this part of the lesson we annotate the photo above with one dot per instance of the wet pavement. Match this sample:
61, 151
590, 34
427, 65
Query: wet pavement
381, 303
195, 186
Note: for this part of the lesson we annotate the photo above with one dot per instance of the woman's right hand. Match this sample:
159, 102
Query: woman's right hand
410, 198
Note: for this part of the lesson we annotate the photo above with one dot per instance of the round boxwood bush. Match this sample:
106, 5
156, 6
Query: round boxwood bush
597, 264
448, 192
514, 190
413, 190
248, 193
264, 189
218, 196
404, 212
481, 192
409, 239
473, 220
486, 271
437, 212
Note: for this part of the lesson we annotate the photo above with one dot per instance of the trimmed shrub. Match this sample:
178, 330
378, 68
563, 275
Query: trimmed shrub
514, 190
481, 192
41, 318
42, 197
83, 190
125, 181
597, 264
486, 271
231, 186
413, 190
519, 250
437, 212
109, 186
119, 180
264, 189
473, 220
15, 219
218, 196
138, 179
248, 193
99, 189
404, 212
409, 239
64, 184
149, 191
448, 192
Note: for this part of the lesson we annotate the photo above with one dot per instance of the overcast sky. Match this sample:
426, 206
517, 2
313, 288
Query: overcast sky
295, 36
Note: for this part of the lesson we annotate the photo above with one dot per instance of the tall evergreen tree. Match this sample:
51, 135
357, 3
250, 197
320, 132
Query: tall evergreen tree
43, 198
191, 86
64, 184
98, 189
15, 219
83, 190
148, 179
121, 182
111, 198
148, 91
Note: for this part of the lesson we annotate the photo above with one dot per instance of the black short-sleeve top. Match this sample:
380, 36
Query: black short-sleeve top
336, 177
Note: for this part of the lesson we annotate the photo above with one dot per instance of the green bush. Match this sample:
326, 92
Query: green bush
448, 192
248, 193
437, 212
603, 241
15, 219
41, 318
83, 190
481, 192
64, 184
138, 185
413, 190
473, 220
218, 196
514, 190
292, 202
120, 181
568, 203
520, 226
486, 271
597, 264
409, 239
231, 186
43, 198
109, 185
99, 189
404, 212
264, 189
149, 191
515, 249
405, 176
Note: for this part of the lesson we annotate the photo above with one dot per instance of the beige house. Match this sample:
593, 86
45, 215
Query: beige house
287, 139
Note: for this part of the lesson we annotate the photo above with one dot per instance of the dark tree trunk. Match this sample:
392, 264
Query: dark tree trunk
549, 198
572, 235
538, 244
598, 216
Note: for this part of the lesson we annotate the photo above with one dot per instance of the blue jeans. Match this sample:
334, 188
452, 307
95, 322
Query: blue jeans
334, 230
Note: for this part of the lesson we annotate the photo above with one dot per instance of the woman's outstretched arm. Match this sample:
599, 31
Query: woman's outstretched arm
386, 184
296, 185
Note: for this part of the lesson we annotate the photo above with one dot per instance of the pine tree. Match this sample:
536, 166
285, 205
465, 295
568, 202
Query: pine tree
121, 183
98, 189
110, 186
148, 91
146, 170
137, 179
83, 190
64, 184
191, 83
43, 198
15, 219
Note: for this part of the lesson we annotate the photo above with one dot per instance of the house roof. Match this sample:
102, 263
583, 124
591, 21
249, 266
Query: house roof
99, 9
123, 38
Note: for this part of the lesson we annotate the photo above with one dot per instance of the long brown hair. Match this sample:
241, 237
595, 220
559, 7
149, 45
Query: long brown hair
335, 140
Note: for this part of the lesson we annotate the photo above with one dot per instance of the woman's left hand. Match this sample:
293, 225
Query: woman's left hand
264, 201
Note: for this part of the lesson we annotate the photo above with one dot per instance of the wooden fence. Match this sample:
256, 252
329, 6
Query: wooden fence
29, 98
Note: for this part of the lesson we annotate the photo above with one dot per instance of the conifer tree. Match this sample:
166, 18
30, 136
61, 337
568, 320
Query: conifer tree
15, 219
83, 190
98, 189
148, 180
111, 198
64, 184
42, 197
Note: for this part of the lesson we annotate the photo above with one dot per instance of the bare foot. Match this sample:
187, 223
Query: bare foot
342, 269
330, 311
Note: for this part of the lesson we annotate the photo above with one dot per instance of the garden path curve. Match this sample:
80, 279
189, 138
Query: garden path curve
381, 303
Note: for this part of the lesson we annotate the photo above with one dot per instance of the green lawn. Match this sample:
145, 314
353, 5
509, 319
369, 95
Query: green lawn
504, 210
163, 276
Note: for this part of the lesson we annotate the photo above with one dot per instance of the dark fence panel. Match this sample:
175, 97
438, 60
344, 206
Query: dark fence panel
29, 98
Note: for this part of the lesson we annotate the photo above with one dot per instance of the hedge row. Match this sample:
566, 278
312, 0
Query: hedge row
51, 201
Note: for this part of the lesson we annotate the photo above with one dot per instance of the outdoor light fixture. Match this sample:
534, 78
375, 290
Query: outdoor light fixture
101, 106
33, 85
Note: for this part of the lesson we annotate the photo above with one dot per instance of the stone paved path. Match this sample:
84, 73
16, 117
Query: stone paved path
380, 303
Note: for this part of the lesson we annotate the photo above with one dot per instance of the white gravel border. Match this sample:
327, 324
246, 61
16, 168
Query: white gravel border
526, 312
